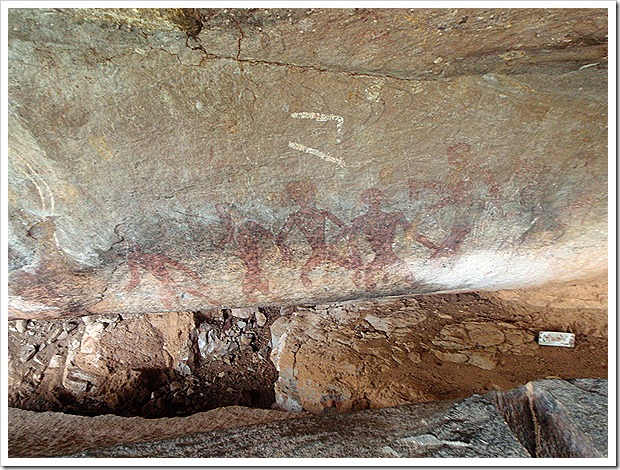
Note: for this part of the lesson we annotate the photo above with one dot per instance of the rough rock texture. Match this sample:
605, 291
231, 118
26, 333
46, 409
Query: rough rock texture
174, 160
51, 434
329, 358
473, 427
151, 365
554, 418
107, 360
373, 354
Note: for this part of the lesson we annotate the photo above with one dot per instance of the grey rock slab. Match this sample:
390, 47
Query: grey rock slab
52, 434
547, 418
557, 418
468, 428
572, 422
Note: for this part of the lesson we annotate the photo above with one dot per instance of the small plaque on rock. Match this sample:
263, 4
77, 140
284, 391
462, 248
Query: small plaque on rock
556, 338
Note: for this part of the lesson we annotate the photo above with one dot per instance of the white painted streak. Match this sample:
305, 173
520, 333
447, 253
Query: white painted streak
49, 191
52, 201
323, 118
36, 185
317, 153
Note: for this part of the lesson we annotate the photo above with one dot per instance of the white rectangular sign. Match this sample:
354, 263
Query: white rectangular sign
556, 338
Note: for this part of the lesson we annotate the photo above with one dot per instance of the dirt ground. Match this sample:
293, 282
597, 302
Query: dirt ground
130, 375
355, 355
516, 364
381, 353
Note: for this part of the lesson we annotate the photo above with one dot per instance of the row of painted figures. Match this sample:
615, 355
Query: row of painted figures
376, 226
462, 188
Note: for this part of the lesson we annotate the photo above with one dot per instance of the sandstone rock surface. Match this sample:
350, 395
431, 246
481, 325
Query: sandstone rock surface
174, 160
471, 428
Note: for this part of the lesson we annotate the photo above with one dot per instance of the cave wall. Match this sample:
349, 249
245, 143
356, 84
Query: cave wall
174, 160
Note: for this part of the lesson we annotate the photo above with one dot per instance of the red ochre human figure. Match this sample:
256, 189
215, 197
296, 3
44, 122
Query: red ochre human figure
536, 199
379, 229
459, 189
311, 222
157, 264
246, 239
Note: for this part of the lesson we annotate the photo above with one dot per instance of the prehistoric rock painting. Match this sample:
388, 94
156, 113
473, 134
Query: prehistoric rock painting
246, 238
459, 189
592, 187
311, 222
44, 282
536, 200
542, 220
66, 288
157, 264
379, 229
312, 151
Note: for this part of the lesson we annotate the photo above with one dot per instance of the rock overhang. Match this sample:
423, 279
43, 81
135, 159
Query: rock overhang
186, 159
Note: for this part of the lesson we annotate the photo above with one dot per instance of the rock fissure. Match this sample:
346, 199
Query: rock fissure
413, 78
529, 393
240, 40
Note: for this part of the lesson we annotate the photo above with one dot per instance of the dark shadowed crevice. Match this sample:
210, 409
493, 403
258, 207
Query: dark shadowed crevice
514, 407
152, 366
556, 419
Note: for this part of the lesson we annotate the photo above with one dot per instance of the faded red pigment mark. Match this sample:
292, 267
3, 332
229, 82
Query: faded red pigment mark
593, 183
536, 200
459, 189
379, 229
311, 222
57, 280
246, 238
156, 264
